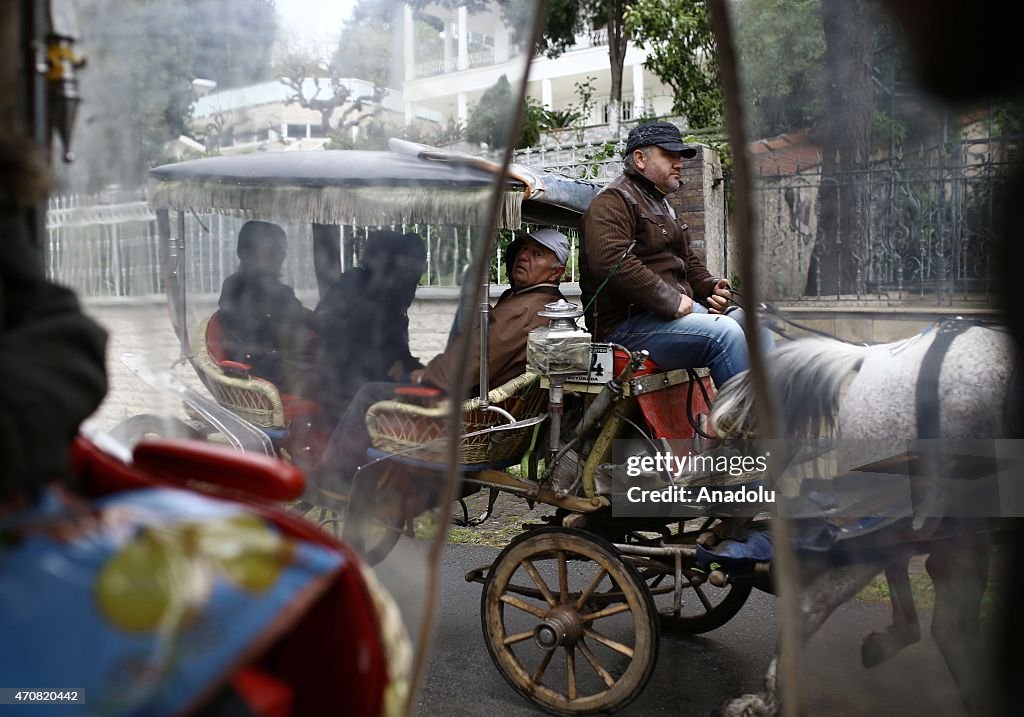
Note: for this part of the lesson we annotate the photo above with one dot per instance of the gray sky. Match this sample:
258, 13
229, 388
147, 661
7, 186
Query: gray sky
313, 23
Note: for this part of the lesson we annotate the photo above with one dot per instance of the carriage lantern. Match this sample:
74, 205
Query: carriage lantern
559, 350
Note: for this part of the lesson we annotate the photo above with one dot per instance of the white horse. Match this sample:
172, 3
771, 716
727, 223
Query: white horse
900, 392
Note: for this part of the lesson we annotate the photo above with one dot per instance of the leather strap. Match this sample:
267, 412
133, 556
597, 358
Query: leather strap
927, 393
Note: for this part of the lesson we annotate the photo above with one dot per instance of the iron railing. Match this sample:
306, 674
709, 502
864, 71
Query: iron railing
926, 227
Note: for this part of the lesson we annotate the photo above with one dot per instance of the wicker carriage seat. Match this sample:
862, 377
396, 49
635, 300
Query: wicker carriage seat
413, 430
254, 399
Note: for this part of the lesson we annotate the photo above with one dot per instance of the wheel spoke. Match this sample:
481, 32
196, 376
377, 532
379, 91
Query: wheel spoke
535, 576
525, 607
592, 659
607, 612
607, 641
570, 669
563, 578
699, 589
542, 666
590, 590
518, 637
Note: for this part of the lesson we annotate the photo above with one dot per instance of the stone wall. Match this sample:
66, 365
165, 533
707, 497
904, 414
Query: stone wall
700, 203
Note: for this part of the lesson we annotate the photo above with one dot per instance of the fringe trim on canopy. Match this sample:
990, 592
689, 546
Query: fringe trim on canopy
340, 205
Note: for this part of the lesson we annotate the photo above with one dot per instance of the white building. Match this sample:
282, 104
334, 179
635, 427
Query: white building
475, 50
258, 117
441, 77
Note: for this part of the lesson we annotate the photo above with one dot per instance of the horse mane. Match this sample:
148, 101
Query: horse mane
806, 374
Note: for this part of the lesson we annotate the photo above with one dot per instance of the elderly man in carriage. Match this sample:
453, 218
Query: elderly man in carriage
538, 261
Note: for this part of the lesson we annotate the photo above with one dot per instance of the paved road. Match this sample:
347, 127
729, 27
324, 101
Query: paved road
693, 675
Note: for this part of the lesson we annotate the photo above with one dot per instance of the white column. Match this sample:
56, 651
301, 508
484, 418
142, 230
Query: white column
448, 34
545, 94
408, 49
463, 107
284, 129
410, 113
463, 38
638, 90
500, 41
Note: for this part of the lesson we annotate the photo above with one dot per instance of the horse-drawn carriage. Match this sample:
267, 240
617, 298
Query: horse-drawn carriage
571, 610
586, 583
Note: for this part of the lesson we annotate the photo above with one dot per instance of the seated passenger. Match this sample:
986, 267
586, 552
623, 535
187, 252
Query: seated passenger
363, 320
264, 324
647, 287
537, 269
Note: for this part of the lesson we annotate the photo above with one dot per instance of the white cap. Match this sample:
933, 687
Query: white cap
556, 241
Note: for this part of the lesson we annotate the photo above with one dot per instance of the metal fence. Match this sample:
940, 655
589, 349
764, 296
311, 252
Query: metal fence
927, 229
926, 226
107, 246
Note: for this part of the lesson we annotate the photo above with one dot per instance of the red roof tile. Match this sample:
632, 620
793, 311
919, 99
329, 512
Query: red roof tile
785, 154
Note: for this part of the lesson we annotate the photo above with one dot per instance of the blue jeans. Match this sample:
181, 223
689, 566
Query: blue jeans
696, 340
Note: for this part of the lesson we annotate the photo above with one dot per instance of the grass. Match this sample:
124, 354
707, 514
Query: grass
924, 591
495, 537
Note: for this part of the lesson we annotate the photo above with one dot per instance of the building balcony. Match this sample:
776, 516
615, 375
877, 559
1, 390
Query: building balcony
487, 56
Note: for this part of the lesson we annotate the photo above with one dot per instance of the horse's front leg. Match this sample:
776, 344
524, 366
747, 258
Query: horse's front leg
818, 600
959, 569
905, 630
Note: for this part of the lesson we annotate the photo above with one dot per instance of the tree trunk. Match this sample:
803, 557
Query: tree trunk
840, 246
616, 59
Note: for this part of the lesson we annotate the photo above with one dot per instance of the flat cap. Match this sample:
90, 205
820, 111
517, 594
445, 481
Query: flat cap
663, 134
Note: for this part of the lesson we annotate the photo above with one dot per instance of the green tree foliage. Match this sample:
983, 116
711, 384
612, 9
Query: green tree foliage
781, 50
367, 40
232, 40
681, 48
367, 47
563, 19
136, 90
488, 122
137, 86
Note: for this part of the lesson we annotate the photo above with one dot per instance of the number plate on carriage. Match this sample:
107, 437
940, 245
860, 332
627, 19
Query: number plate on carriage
601, 365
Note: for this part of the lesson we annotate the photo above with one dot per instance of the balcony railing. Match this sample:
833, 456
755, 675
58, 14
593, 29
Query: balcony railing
483, 58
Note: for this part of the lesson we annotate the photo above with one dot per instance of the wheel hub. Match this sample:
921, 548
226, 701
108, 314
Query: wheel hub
562, 626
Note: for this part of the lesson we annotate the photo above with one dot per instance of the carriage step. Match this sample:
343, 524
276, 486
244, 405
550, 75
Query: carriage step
478, 575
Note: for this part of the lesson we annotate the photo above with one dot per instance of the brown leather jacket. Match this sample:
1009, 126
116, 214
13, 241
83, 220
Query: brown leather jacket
508, 326
653, 274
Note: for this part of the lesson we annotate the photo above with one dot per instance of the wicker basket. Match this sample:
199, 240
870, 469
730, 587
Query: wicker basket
416, 431
254, 399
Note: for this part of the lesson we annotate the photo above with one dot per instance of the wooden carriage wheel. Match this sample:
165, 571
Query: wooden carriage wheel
701, 606
568, 624
705, 607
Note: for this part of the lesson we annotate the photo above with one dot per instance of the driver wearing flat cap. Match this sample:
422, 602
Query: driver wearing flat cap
645, 287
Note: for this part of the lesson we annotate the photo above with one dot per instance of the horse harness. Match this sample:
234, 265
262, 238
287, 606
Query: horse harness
927, 390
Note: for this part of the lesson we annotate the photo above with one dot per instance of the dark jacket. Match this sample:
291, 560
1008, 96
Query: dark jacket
654, 273
51, 360
509, 324
363, 330
267, 327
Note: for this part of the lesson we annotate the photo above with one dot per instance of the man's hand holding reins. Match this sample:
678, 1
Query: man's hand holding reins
720, 297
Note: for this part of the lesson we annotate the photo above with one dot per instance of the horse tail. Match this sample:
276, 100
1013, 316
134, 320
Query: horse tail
806, 375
